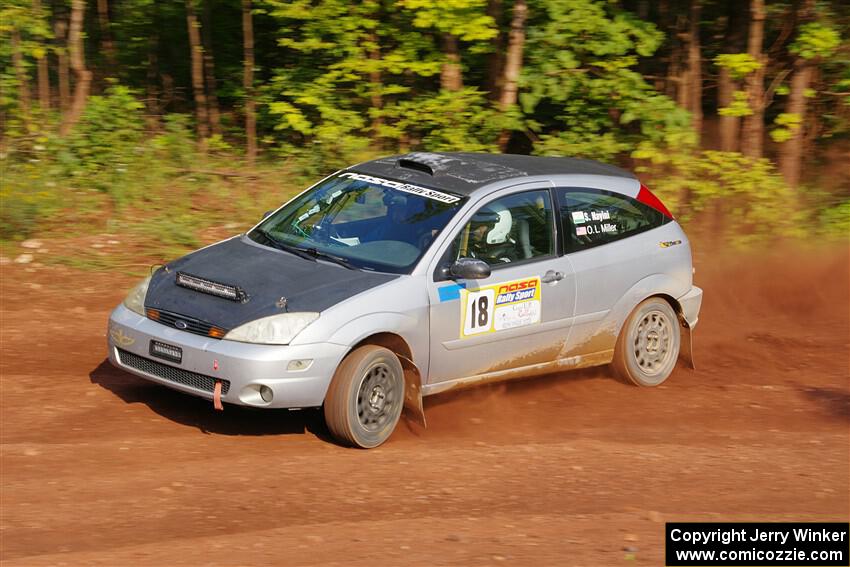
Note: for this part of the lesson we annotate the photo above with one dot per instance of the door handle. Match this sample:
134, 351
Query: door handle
552, 276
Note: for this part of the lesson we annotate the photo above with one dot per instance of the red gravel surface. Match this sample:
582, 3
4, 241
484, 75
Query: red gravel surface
102, 468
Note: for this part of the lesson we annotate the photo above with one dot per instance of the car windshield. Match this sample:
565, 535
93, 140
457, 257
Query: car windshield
361, 222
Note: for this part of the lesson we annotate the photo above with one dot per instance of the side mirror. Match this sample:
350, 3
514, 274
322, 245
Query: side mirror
470, 269
267, 213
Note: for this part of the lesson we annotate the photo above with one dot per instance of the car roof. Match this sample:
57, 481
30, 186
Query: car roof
463, 173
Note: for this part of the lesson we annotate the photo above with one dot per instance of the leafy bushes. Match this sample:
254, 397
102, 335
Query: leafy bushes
734, 198
108, 153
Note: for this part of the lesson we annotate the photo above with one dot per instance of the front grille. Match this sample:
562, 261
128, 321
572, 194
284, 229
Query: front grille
192, 325
171, 373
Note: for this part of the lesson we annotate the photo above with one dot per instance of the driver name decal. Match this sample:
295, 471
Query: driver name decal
499, 307
406, 187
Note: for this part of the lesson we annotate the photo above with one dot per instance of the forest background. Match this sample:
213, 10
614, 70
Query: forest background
135, 130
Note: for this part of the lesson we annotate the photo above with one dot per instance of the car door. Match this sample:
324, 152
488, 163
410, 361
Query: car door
521, 314
609, 240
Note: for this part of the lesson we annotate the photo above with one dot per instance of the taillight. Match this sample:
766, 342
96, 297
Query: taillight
646, 197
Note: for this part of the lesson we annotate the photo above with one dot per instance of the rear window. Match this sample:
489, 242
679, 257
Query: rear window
592, 217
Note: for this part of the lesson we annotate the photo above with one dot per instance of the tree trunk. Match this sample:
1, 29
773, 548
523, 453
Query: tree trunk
82, 75
752, 135
667, 21
22, 79
248, 80
791, 151
681, 76
513, 64
695, 68
197, 63
43, 84
678, 72
43, 73
375, 86
812, 127
729, 125
60, 28
152, 75
209, 69
495, 59
451, 78
107, 46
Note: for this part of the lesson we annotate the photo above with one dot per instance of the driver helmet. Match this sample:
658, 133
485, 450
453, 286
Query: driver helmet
485, 217
502, 229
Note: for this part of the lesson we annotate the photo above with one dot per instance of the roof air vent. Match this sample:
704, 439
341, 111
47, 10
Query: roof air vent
427, 162
417, 165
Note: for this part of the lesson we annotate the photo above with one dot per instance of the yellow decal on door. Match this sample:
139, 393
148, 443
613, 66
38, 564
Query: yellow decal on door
501, 306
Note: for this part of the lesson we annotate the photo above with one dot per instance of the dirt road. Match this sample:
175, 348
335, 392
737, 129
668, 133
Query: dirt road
101, 468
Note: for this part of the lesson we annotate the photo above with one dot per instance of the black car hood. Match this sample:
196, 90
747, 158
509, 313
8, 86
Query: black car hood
265, 275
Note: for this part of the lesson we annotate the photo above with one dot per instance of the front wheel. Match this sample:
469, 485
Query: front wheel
648, 345
365, 398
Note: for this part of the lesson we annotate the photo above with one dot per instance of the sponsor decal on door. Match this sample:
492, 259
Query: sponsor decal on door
498, 307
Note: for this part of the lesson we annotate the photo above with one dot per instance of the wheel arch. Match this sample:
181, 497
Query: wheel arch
656, 285
687, 349
412, 375
674, 303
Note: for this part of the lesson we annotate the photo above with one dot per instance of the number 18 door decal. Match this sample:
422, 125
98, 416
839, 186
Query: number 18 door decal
501, 306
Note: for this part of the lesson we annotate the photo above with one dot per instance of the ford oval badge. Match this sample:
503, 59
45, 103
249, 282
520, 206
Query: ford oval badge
182, 325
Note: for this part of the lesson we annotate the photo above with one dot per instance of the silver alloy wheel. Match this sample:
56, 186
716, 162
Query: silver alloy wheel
376, 397
652, 342
648, 345
365, 397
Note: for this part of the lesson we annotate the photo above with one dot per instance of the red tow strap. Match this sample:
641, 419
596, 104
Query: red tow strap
217, 396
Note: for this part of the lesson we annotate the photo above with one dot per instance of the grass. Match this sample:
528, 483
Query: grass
160, 206
159, 213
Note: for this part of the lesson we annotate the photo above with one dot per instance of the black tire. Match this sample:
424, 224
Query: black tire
648, 346
365, 398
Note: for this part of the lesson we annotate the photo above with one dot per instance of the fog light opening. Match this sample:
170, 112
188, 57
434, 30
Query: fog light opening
266, 393
300, 364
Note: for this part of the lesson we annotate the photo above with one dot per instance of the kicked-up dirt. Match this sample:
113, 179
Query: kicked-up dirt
102, 468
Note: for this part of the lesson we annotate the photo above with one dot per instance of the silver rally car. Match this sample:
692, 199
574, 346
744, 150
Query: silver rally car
411, 275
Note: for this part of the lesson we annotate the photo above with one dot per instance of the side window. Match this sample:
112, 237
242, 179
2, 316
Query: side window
591, 217
511, 229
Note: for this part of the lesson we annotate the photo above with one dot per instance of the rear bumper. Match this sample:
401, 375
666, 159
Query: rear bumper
691, 303
204, 360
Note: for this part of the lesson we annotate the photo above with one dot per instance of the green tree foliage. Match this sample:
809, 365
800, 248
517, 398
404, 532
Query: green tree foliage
739, 64
465, 19
23, 33
738, 198
337, 82
815, 40
373, 74
580, 88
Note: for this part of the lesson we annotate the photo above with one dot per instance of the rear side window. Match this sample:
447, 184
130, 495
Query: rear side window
592, 217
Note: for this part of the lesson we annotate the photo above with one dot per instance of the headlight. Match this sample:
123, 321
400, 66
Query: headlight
135, 300
274, 330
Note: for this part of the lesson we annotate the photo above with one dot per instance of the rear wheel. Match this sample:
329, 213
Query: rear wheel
365, 398
648, 345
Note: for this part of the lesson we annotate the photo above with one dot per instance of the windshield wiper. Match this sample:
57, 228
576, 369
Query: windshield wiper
344, 262
280, 245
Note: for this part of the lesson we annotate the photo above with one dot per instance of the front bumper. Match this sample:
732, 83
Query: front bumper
204, 360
